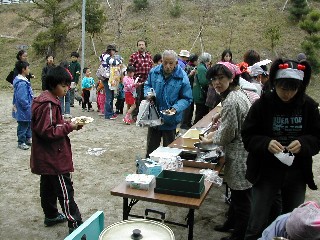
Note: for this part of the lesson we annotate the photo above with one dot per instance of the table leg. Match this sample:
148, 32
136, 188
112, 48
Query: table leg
126, 210
190, 223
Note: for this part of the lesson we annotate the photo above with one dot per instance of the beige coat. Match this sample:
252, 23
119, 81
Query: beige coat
234, 110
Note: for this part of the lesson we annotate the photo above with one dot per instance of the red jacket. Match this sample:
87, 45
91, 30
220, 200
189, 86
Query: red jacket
51, 149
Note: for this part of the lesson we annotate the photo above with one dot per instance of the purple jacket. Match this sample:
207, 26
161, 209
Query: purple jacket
51, 149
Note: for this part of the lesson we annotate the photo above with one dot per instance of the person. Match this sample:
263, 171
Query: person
183, 58
142, 62
260, 75
130, 93
120, 98
226, 56
285, 121
302, 223
51, 155
75, 69
65, 99
22, 100
301, 57
101, 97
173, 93
22, 55
86, 85
190, 69
200, 87
45, 70
235, 106
157, 59
109, 60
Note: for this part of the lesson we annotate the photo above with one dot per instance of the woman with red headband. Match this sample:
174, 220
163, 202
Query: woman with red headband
281, 133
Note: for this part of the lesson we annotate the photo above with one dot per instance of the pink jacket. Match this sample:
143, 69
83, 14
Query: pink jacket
129, 85
51, 149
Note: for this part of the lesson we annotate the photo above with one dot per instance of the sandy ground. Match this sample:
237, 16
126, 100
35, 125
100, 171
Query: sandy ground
21, 214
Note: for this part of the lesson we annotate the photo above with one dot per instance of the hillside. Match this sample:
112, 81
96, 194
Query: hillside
237, 24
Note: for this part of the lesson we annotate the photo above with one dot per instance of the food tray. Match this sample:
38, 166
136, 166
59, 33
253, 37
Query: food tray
180, 183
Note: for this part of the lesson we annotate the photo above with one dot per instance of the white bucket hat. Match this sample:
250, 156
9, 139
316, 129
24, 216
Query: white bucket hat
184, 53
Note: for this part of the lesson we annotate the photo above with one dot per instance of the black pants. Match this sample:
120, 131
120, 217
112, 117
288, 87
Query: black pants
139, 98
154, 138
239, 212
119, 106
86, 96
187, 116
201, 111
53, 187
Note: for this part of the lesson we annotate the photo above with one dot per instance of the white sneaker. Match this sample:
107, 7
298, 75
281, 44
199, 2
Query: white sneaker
23, 146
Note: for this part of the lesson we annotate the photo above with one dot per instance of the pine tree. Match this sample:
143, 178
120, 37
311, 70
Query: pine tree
54, 20
298, 9
311, 44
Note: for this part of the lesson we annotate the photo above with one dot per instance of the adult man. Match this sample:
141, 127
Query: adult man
183, 58
142, 61
173, 93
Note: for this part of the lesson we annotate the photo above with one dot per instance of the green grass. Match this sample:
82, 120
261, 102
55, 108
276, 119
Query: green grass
236, 24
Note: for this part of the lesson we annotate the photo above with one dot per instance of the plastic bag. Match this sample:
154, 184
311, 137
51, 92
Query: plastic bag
93, 95
148, 115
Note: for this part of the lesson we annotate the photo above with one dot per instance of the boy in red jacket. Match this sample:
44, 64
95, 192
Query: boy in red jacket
51, 155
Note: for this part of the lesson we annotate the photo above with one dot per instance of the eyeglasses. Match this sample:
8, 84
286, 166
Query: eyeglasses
218, 78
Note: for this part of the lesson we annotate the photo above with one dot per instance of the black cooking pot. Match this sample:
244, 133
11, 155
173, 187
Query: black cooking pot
205, 147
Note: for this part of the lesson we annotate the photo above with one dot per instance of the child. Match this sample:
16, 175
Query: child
65, 100
51, 155
226, 56
120, 98
75, 69
22, 100
130, 93
87, 84
101, 97
45, 70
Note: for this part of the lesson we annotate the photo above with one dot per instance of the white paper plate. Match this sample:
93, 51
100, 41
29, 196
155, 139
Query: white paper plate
82, 120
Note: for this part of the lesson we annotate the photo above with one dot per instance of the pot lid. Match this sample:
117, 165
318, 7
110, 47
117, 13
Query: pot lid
137, 229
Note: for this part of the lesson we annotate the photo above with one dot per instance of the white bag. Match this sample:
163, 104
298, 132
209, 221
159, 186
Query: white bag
148, 115
93, 95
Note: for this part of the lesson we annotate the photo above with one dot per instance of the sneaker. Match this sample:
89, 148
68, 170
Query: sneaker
83, 109
90, 110
113, 117
29, 142
23, 146
53, 221
100, 114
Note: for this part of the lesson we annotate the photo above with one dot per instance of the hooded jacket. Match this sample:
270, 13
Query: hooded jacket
51, 149
257, 133
22, 99
174, 92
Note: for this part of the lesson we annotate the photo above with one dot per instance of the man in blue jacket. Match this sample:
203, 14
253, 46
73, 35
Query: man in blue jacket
172, 95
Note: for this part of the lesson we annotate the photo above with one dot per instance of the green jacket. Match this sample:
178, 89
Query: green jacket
73, 68
200, 85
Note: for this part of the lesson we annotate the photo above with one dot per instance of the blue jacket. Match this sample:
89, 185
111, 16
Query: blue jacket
22, 99
174, 92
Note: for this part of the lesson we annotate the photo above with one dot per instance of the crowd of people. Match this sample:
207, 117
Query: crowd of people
266, 120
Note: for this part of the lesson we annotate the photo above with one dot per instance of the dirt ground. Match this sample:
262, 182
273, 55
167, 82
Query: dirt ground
21, 214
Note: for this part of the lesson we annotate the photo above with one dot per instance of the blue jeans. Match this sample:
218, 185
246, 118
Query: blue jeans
65, 103
108, 106
23, 131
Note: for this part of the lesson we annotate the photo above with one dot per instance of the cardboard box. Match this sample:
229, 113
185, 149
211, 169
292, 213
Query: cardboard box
149, 167
190, 138
180, 183
164, 152
140, 181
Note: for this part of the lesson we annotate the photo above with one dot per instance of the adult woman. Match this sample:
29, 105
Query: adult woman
200, 87
108, 59
283, 119
21, 56
235, 106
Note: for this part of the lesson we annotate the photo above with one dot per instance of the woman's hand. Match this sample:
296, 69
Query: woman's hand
207, 138
275, 147
294, 146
